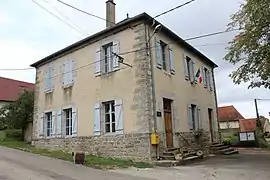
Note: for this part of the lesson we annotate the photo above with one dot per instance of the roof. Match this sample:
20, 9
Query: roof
123, 24
10, 89
228, 113
247, 124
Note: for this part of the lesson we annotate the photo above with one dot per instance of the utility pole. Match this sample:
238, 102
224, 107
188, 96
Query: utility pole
257, 114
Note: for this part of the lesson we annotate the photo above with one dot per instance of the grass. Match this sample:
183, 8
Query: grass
97, 162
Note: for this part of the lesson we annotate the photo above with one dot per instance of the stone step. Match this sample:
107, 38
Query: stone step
226, 150
167, 153
220, 147
167, 157
231, 152
216, 145
167, 163
191, 159
171, 149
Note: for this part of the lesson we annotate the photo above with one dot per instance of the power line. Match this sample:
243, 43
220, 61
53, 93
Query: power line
39, 5
66, 17
73, 7
211, 34
161, 14
19, 69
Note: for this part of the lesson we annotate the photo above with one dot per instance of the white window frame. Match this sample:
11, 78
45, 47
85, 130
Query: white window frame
46, 123
69, 120
110, 113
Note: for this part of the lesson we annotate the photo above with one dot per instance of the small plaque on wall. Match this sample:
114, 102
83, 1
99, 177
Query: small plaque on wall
159, 114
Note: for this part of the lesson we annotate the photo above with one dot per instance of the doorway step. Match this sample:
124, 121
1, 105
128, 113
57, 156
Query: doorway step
220, 148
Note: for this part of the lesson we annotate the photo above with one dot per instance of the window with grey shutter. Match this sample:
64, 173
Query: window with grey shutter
171, 57
158, 54
97, 119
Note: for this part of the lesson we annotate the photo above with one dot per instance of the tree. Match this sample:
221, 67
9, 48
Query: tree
17, 114
251, 47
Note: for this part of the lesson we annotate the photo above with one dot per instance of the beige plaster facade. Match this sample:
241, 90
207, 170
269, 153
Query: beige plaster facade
131, 85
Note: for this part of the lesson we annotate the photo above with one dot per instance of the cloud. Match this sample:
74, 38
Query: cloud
4, 19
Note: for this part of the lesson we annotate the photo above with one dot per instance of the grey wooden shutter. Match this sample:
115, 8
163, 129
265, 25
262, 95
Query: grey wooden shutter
191, 67
190, 120
119, 116
53, 124
116, 50
97, 62
158, 54
65, 73
198, 119
47, 80
210, 81
171, 57
41, 125
204, 77
71, 71
185, 65
51, 77
97, 119
74, 121
59, 123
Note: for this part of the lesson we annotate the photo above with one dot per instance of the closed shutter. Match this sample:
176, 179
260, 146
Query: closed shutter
185, 65
97, 62
190, 121
47, 80
65, 73
119, 116
97, 119
158, 54
59, 124
54, 124
51, 77
41, 125
74, 121
116, 50
172, 68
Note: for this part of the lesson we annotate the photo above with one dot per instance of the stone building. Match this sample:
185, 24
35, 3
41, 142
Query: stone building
107, 93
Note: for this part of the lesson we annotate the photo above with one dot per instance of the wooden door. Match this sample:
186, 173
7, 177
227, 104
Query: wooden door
210, 111
168, 122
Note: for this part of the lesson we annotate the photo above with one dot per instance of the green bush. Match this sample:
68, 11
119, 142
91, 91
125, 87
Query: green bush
2, 135
14, 134
230, 140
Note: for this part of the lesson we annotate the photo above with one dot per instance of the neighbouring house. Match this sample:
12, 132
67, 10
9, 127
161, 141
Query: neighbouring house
250, 124
10, 91
228, 118
107, 93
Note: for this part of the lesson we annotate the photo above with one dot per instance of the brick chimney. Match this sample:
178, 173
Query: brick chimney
110, 13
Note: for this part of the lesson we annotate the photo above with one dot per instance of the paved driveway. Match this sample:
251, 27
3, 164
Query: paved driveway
18, 165
248, 166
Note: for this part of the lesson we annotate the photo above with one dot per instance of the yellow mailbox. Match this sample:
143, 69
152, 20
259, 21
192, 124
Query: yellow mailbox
154, 139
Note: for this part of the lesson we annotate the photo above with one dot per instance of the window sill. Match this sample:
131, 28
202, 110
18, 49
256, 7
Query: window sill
107, 73
67, 86
112, 134
48, 91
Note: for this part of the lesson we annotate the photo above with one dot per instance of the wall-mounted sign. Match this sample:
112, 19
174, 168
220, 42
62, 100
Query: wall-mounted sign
159, 114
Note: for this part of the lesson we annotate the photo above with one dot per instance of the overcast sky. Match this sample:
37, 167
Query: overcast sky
28, 33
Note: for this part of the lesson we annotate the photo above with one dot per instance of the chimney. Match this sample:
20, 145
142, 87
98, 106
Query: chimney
110, 13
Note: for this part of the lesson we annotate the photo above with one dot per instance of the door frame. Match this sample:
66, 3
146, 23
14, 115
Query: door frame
210, 119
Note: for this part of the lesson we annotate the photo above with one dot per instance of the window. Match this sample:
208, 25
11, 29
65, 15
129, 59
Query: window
49, 79
48, 121
109, 112
207, 79
108, 58
194, 117
205, 75
68, 121
163, 55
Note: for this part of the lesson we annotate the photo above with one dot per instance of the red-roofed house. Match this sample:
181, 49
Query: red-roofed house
10, 89
229, 118
247, 124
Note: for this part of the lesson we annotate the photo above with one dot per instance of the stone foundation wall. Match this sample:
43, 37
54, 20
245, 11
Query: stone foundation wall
188, 141
128, 146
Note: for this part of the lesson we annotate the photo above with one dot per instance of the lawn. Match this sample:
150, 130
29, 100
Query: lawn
90, 160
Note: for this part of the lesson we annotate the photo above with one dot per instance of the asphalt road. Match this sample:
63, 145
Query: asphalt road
19, 165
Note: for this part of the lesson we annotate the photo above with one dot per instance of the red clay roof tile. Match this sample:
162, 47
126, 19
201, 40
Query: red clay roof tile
228, 113
10, 89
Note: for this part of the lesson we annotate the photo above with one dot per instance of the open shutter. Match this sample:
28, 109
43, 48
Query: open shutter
190, 122
97, 62
204, 77
119, 116
185, 65
172, 68
116, 50
210, 81
59, 124
41, 125
71, 71
97, 119
198, 119
51, 76
74, 121
65, 73
158, 54
53, 124
191, 67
